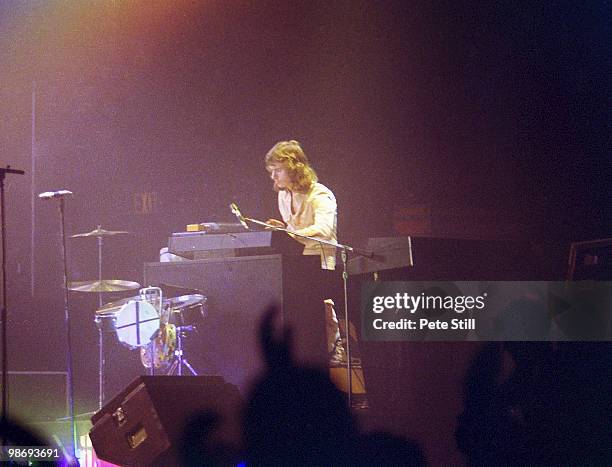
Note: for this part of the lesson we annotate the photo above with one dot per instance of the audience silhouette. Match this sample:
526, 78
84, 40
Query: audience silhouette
525, 403
551, 408
296, 416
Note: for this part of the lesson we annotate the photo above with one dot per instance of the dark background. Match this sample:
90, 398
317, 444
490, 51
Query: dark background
447, 119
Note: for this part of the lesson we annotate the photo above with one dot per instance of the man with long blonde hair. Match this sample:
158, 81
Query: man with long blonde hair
306, 206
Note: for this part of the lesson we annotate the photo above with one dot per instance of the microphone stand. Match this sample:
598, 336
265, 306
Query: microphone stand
343, 254
69, 365
4, 313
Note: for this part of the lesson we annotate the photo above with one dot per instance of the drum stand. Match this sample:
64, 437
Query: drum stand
179, 361
101, 361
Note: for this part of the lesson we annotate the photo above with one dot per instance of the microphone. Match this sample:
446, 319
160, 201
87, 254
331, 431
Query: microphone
54, 194
239, 215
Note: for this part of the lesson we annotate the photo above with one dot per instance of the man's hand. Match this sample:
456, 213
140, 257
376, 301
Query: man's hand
276, 223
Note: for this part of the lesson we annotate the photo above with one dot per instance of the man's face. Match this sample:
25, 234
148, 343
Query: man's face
280, 175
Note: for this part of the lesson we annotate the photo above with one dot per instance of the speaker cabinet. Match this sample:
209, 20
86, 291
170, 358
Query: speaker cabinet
145, 423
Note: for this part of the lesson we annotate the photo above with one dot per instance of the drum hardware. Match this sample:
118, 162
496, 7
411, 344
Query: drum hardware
101, 286
179, 360
154, 296
165, 352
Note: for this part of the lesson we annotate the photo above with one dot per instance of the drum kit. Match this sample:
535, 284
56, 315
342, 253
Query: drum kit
148, 322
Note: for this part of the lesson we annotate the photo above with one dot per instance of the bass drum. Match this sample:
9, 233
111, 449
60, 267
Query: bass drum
161, 349
136, 323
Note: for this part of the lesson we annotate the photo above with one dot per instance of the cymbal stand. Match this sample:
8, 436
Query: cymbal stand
98, 321
101, 359
179, 361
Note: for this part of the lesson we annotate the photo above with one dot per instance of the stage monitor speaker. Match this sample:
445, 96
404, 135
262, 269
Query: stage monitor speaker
145, 423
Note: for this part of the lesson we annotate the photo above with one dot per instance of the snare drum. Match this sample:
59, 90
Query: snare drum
187, 310
107, 314
136, 323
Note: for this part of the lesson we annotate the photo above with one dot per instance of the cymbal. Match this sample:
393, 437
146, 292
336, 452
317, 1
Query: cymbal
183, 301
107, 285
100, 232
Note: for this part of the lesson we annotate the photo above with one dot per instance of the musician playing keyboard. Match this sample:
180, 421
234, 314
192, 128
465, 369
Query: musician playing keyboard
308, 208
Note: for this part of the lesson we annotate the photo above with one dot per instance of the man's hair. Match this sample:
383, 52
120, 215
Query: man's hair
291, 155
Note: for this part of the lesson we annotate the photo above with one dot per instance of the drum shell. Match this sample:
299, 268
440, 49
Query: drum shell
106, 321
189, 316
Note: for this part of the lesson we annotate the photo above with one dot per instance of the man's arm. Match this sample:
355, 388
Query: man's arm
276, 223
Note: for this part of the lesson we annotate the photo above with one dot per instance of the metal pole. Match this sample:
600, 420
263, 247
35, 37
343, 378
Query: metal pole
4, 309
347, 329
101, 362
68, 333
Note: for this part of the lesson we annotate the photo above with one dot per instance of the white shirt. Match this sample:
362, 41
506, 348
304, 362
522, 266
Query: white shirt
314, 214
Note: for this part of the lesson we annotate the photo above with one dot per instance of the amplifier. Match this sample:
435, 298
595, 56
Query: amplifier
238, 291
